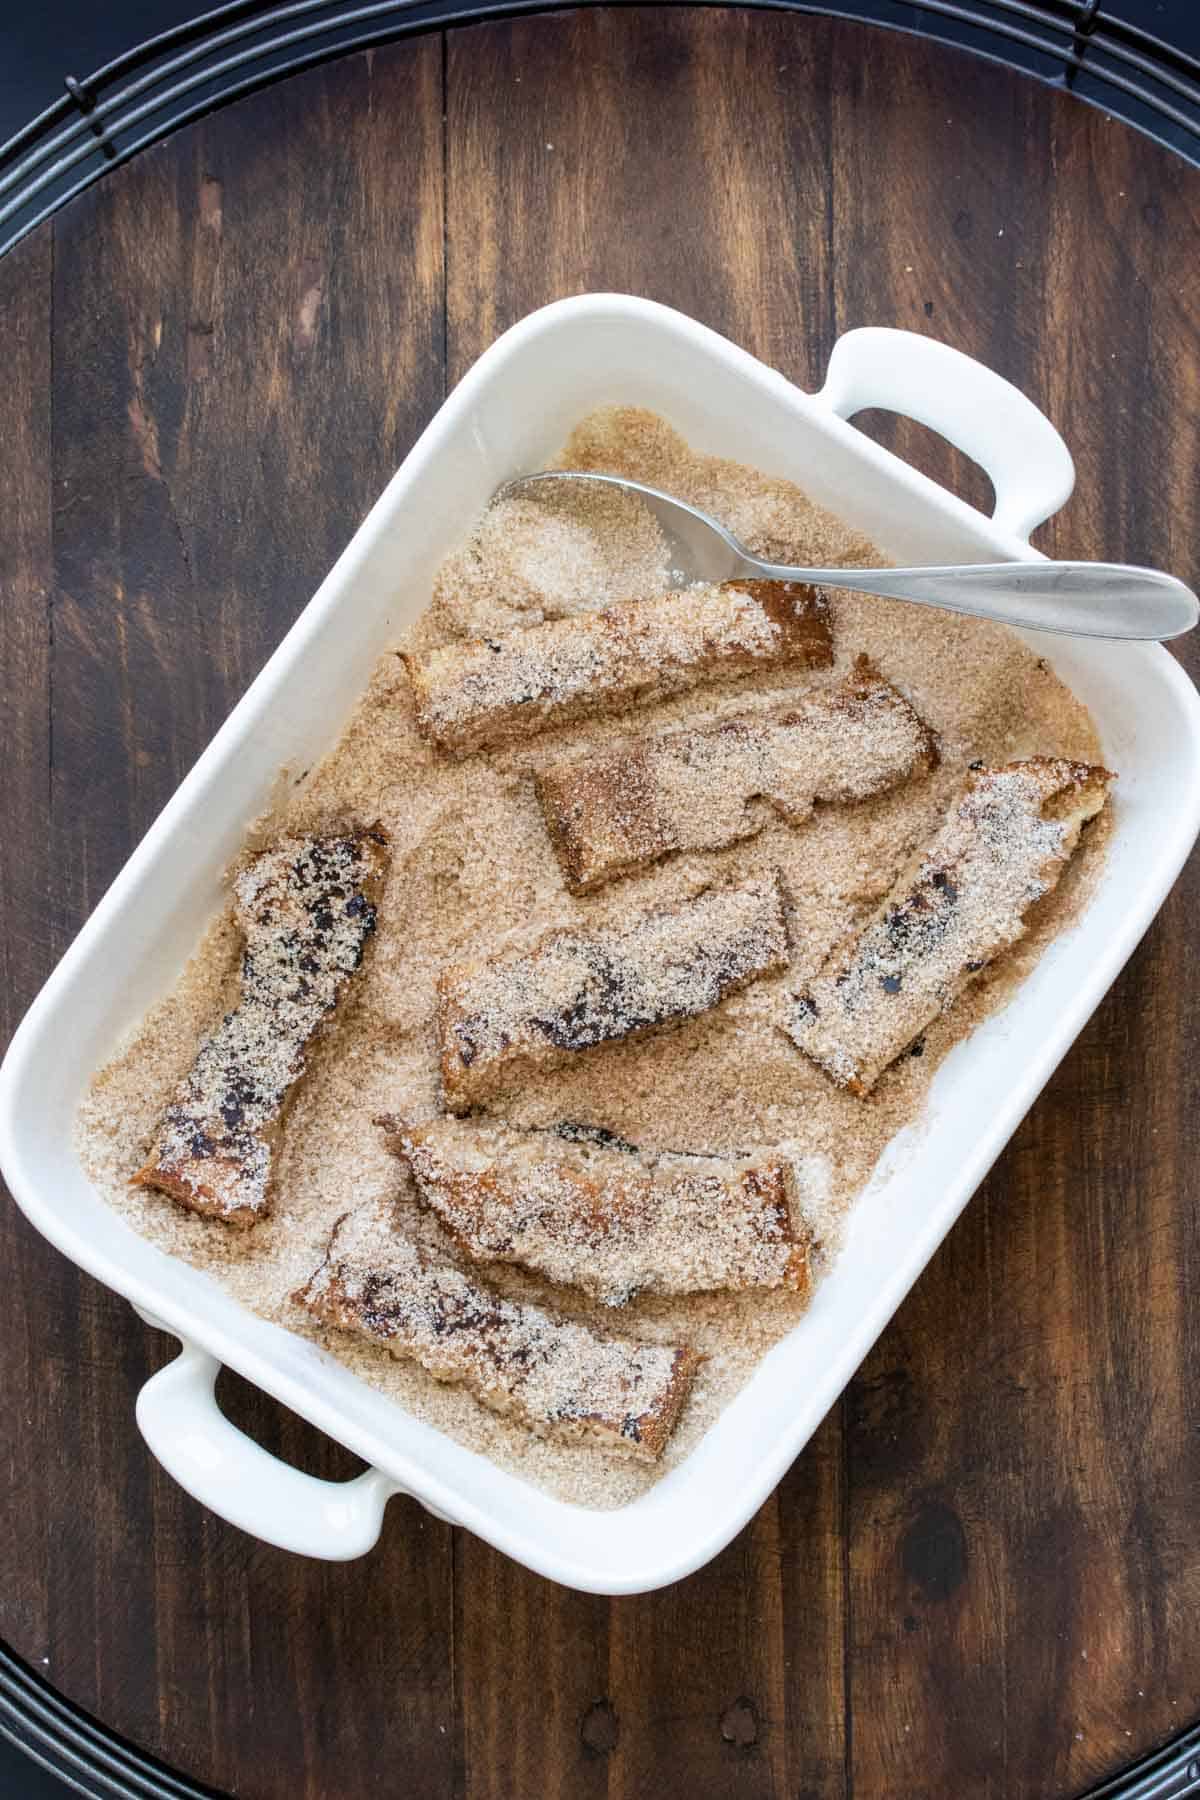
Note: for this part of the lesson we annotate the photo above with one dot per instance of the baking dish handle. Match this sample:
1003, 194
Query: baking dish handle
983, 415
178, 1415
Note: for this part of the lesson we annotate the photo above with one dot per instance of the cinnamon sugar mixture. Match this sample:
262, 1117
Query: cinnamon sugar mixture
473, 875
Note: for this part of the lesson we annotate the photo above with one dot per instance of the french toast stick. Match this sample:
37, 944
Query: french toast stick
959, 905
306, 908
623, 806
483, 691
603, 1220
574, 990
550, 1373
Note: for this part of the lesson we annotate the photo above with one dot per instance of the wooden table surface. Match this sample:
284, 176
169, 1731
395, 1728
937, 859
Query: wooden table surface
983, 1576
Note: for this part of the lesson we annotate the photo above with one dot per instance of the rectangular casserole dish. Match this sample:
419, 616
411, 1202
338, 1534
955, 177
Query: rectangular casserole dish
509, 414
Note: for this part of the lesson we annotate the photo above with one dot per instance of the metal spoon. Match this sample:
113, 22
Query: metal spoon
1086, 599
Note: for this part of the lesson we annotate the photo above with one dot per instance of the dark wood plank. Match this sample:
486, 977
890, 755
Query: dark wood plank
672, 152
952, 242
990, 1548
531, 1682
1115, 1129
731, 1681
816, 1721
661, 152
25, 565
1022, 1545
35, 1279
248, 336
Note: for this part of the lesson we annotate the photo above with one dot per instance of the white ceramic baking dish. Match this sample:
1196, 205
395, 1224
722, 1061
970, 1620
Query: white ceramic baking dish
508, 415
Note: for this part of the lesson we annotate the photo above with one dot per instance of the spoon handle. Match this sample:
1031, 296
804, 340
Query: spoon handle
1111, 600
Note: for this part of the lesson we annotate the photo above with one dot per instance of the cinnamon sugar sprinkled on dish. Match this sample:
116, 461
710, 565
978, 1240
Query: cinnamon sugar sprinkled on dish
473, 875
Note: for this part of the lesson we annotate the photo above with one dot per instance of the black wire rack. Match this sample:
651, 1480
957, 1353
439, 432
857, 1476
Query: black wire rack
105, 118
84, 1755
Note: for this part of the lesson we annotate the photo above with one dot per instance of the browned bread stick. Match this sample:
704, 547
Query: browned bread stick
622, 807
959, 904
552, 1374
485, 690
612, 1223
306, 908
573, 990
